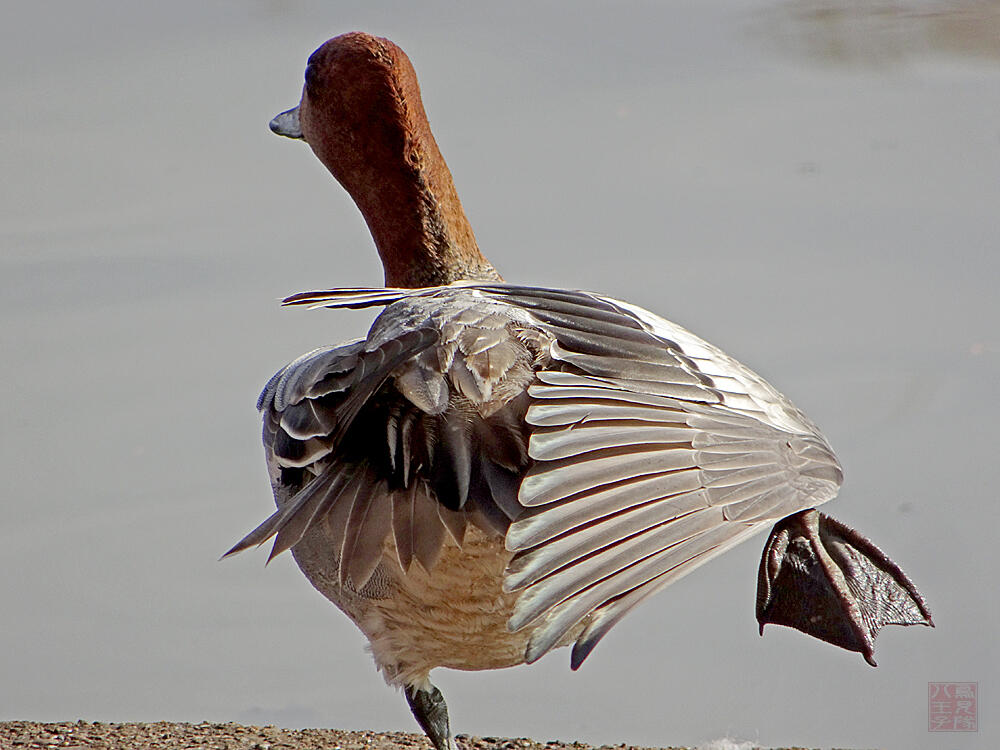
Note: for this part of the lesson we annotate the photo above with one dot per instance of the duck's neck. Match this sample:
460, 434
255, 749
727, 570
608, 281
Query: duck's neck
398, 178
418, 223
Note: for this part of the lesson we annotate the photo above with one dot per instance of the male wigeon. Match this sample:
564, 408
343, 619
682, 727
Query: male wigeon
498, 470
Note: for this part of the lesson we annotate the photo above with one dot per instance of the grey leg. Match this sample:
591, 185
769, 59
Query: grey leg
431, 713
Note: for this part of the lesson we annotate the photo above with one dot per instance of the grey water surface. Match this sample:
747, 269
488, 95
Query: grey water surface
813, 186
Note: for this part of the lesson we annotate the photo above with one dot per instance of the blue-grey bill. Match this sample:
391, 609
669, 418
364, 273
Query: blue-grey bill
287, 124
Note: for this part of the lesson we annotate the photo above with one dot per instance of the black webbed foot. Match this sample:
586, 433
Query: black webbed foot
827, 580
431, 712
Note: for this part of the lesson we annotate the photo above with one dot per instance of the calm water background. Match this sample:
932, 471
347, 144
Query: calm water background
812, 186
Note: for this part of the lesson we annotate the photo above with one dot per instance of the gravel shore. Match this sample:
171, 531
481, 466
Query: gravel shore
161, 735
166, 735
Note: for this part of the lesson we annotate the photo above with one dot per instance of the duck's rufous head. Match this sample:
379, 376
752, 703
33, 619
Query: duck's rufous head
362, 115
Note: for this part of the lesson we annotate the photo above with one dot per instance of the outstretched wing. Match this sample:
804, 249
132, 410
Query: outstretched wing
654, 452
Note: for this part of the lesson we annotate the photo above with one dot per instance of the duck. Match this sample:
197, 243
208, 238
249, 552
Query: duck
497, 470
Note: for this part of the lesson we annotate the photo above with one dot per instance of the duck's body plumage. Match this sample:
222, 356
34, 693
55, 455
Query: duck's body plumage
600, 451
497, 470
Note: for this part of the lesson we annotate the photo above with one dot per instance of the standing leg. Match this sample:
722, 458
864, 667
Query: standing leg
431, 713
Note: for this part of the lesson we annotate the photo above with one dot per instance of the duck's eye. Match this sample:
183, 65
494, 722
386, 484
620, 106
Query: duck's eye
312, 75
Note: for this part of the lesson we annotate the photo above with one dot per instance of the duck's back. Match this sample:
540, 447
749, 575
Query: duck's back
415, 441
497, 470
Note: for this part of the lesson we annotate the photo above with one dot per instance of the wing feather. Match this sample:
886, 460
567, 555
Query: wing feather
276, 520
369, 522
672, 563
552, 481
542, 524
581, 541
609, 561
612, 611
549, 445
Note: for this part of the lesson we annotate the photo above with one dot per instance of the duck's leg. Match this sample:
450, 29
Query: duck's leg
431, 713
830, 582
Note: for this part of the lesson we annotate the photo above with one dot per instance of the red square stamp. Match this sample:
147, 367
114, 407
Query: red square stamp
952, 706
